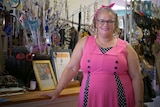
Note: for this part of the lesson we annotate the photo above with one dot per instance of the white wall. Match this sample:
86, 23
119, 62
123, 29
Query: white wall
74, 8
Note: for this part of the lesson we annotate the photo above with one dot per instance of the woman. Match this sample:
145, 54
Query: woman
111, 74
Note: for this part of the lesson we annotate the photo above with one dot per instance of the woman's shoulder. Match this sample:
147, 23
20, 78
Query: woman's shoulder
82, 41
86, 40
88, 37
122, 41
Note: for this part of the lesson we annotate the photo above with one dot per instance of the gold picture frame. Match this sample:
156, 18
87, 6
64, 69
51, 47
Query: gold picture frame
44, 74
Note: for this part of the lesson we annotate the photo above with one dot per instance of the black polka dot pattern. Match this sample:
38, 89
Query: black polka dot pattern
85, 100
121, 95
104, 50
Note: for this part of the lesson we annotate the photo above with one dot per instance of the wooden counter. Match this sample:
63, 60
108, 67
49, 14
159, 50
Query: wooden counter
67, 98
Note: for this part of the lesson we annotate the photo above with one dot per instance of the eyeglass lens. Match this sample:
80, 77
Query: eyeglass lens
109, 22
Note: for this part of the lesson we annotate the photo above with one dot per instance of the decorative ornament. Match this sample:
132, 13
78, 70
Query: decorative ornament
13, 3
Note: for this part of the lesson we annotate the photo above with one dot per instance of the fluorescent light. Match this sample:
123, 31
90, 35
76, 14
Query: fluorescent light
115, 7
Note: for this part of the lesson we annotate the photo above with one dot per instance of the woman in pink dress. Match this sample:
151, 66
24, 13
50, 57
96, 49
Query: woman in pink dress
110, 66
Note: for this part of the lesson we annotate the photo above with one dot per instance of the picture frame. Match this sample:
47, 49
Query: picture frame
59, 59
44, 74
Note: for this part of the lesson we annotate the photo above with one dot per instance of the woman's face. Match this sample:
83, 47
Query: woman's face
105, 23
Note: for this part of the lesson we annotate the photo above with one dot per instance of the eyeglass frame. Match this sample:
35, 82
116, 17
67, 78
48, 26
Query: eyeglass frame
109, 22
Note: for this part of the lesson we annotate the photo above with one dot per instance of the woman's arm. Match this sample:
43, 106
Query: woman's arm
69, 71
73, 66
135, 74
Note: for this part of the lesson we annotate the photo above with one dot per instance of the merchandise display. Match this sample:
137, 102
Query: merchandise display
38, 37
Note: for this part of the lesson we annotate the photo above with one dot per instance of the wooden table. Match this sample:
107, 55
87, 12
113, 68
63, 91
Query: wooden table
67, 98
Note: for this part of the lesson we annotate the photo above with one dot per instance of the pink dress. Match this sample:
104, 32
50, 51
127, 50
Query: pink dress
99, 87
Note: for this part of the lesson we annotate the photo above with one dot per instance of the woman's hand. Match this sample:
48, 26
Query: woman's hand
53, 94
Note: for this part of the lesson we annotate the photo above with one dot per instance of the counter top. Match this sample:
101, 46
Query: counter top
31, 96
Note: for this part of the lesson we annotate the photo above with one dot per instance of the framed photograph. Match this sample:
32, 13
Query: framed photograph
59, 59
44, 74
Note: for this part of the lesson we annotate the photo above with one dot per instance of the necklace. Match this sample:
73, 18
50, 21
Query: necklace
110, 42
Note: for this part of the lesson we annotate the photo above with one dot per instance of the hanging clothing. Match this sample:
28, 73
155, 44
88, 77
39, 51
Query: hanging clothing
102, 74
79, 21
74, 38
70, 38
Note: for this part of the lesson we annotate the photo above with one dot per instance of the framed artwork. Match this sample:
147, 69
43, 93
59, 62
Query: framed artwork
59, 59
44, 74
